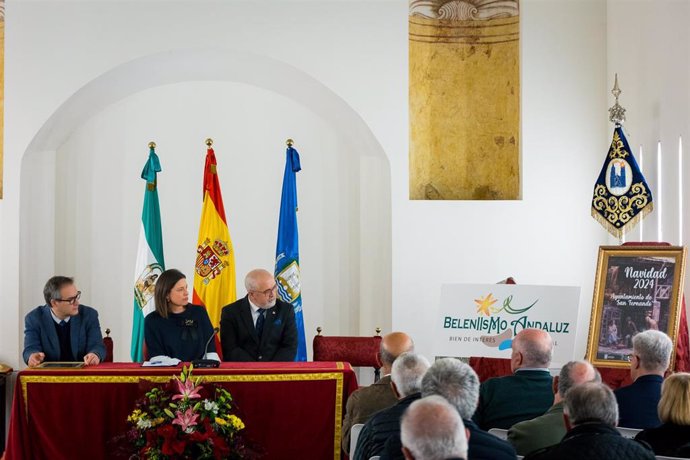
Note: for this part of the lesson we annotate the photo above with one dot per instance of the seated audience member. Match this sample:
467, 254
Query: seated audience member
431, 429
591, 413
672, 438
505, 401
406, 375
637, 403
177, 329
548, 429
259, 326
62, 329
459, 385
365, 402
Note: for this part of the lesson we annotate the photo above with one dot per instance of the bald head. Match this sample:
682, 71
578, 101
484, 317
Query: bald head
575, 373
392, 346
531, 348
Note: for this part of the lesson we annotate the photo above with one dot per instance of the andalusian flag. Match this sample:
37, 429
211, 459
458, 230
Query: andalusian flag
214, 279
287, 249
150, 263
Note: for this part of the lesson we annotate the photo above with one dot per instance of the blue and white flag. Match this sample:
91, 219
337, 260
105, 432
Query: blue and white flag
150, 263
287, 250
621, 195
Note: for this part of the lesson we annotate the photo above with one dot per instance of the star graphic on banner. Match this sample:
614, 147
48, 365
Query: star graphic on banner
485, 305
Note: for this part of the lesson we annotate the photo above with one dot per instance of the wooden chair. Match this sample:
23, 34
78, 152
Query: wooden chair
358, 351
108, 342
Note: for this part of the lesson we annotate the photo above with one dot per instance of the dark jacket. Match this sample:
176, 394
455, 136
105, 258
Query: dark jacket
667, 439
485, 446
637, 403
594, 441
240, 342
40, 334
181, 335
505, 401
383, 429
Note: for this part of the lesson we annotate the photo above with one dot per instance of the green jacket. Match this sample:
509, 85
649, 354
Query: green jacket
540, 432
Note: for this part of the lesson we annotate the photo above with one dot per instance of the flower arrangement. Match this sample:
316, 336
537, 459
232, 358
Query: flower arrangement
185, 422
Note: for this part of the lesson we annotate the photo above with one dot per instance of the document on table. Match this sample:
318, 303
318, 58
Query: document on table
161, 361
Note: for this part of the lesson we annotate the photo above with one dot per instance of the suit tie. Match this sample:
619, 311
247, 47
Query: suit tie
260, 322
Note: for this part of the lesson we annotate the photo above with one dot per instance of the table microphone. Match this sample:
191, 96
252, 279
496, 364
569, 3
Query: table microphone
201, 363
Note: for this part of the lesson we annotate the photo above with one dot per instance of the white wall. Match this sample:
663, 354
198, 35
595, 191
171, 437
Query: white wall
358, 51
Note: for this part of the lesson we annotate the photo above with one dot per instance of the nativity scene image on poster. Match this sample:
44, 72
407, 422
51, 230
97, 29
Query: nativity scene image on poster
637, 288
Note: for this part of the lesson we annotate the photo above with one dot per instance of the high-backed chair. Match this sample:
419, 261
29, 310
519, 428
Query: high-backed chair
358, 351
108, 342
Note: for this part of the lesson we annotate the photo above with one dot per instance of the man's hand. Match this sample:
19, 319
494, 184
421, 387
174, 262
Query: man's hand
91, 359
36, 358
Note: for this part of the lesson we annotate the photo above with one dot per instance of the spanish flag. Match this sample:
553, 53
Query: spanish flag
214, 277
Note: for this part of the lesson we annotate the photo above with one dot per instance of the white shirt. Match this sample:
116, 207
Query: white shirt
58, 320
255, 312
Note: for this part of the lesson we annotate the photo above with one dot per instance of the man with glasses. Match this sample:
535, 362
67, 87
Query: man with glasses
258, 327
62, 329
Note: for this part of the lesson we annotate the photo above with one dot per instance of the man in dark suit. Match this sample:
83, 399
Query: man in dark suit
258, 327
637, 403
505, 401
459, 385
62, 329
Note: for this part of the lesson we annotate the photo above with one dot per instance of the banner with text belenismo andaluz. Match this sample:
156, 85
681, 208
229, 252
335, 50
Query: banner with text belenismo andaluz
482, 319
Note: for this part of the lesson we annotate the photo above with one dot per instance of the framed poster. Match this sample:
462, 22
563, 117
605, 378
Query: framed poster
636, 288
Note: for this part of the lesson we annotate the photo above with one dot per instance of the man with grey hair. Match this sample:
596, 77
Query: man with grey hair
549, 429
431, 429
459, 385
384, 427
637, 403
591, 413
505, 401
365, 402
259, 326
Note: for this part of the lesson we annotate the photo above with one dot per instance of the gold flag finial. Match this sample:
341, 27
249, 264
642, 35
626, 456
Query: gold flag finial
616, 113
152, 145
209, 142
289, 142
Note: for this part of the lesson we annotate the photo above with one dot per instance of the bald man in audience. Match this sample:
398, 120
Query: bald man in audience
365, 402
505, 401
637, 403
459, 385
432, 429
549, 428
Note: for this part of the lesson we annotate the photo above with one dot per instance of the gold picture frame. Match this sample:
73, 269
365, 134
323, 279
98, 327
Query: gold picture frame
636, 288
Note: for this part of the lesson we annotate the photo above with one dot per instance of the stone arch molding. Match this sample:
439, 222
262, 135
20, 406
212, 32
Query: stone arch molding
204, 65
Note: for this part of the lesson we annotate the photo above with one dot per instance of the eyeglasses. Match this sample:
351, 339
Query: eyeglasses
71, 300
268, 292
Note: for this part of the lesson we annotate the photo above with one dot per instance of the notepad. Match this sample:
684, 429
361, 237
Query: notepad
161, 361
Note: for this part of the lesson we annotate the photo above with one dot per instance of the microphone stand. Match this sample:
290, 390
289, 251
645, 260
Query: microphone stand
207, 363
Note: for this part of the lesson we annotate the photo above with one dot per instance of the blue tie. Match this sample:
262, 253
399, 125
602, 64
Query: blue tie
260, 322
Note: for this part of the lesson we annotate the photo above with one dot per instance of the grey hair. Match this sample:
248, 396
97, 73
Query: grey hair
407, 372
569, 376
455, 381
250, 283
654, 350
431, 429
534, 351
591, 402
51, 291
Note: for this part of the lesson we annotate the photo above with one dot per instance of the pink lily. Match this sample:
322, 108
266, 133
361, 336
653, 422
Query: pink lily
186, 420
187, 389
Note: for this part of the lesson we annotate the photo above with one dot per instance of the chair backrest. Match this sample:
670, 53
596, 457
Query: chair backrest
628, 433
499, 433
354, 436
358, 351
663, 457
108, 343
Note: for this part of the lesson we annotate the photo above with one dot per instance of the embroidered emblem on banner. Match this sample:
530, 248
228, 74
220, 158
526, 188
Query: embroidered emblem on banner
288, 280
145, 284
621, 195
209, 259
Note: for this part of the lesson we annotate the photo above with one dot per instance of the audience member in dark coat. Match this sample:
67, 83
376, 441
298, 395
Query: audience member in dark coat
505, 401
459, 384
591, 412
672, 438
637, 403
406, 374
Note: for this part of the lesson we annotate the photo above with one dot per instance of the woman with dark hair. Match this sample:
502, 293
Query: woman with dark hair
177, 329
672, 438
